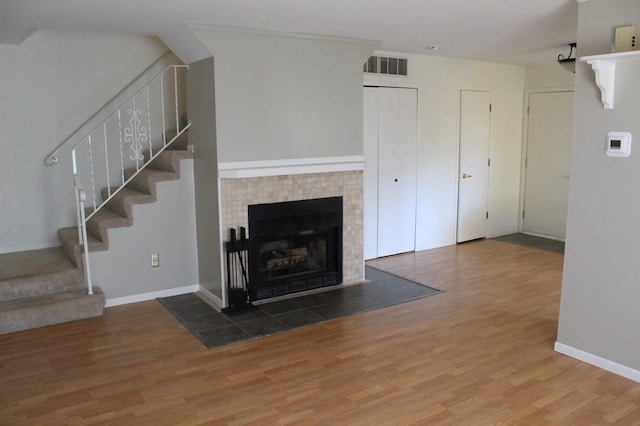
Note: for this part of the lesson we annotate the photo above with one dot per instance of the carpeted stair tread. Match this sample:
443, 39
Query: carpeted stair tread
180, 144
168, 160
69, 239
123, 201
105, 219
36, 273
146, 179
33, 262
50, 309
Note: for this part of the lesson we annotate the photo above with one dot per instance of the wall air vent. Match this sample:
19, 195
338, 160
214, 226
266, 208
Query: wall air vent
386, 65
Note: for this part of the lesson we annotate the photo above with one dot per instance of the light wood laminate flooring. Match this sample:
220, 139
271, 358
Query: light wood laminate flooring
481, 353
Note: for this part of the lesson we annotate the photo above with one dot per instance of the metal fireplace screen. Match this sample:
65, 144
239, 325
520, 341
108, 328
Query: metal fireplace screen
294, 246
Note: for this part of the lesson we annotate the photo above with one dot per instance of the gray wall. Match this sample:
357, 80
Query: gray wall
599, 311
272, 97
166, 227
49, 85
202, 135
286, 97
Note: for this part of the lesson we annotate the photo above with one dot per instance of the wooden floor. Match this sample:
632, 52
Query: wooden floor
481, 353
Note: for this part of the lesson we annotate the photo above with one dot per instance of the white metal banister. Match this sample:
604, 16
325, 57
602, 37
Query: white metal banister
52, 158
83, 240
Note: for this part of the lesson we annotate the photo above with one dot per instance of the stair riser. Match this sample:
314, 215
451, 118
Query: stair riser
43, 314
71, 247
169, 160
21, 288
99, 227
122, 203
146, 181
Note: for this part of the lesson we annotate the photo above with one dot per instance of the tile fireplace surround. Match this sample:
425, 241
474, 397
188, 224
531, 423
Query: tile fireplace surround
238, 193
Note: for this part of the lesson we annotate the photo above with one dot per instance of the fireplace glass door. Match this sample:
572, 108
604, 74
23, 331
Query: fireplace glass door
294, 248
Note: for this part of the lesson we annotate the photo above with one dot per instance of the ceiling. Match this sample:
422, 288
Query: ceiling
509, 31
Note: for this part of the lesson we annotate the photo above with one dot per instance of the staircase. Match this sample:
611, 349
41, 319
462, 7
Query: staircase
43, 287
47, 286
51, 286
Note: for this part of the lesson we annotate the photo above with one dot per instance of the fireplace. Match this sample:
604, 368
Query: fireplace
294, 246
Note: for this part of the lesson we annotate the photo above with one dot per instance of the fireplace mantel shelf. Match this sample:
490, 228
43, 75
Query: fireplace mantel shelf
248, 169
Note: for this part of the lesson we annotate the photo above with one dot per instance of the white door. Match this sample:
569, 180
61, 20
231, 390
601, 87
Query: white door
391, 183
473, 169
549, 134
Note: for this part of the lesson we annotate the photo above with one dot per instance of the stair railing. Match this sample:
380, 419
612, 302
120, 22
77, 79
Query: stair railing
159, 65
125, 143
81, 197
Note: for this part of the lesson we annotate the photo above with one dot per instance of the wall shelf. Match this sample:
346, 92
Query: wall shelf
604, 67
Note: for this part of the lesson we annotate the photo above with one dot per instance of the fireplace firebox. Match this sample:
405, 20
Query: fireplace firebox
294, 246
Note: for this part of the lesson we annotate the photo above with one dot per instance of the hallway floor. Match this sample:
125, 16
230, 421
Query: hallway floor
533, 242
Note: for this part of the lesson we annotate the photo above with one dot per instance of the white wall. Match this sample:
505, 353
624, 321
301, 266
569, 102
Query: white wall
599, 312
284, 96
49, 85
548, 76
166, 227
439, 81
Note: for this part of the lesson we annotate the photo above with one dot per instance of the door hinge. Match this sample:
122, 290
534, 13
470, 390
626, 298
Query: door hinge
523, 214
528, 110
489, 162
526, 162
487, 215
490, 107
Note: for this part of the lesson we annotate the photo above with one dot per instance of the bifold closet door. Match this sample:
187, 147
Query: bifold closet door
396, 170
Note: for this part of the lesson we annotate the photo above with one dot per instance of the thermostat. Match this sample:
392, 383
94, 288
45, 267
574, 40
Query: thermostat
618, 144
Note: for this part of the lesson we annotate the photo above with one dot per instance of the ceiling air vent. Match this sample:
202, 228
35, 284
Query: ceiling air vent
386, 65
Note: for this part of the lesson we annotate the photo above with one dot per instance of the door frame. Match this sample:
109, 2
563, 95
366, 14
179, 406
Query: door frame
457, 175
525, 145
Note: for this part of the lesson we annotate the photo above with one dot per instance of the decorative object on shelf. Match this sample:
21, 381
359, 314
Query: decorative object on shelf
625, 39
568, 63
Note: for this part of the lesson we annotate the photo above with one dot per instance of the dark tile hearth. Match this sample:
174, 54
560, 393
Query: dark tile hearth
214, 328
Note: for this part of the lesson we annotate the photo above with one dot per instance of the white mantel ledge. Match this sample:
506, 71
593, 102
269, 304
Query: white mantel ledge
296, 166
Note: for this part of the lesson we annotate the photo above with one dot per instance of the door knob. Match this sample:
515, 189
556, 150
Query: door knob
464, 176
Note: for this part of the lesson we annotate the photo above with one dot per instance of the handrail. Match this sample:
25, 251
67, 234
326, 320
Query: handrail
119, 107
52, 159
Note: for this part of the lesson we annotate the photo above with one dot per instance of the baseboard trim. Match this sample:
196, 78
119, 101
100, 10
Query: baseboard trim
548, 237
215, 299
152, 295
597, 361
501, 233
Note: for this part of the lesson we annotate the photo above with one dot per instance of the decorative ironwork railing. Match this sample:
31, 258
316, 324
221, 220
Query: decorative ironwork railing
118, 149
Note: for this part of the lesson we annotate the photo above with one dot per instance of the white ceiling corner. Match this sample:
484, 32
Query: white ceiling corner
507, 31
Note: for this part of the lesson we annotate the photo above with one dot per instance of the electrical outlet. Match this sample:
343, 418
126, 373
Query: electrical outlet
155, 260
